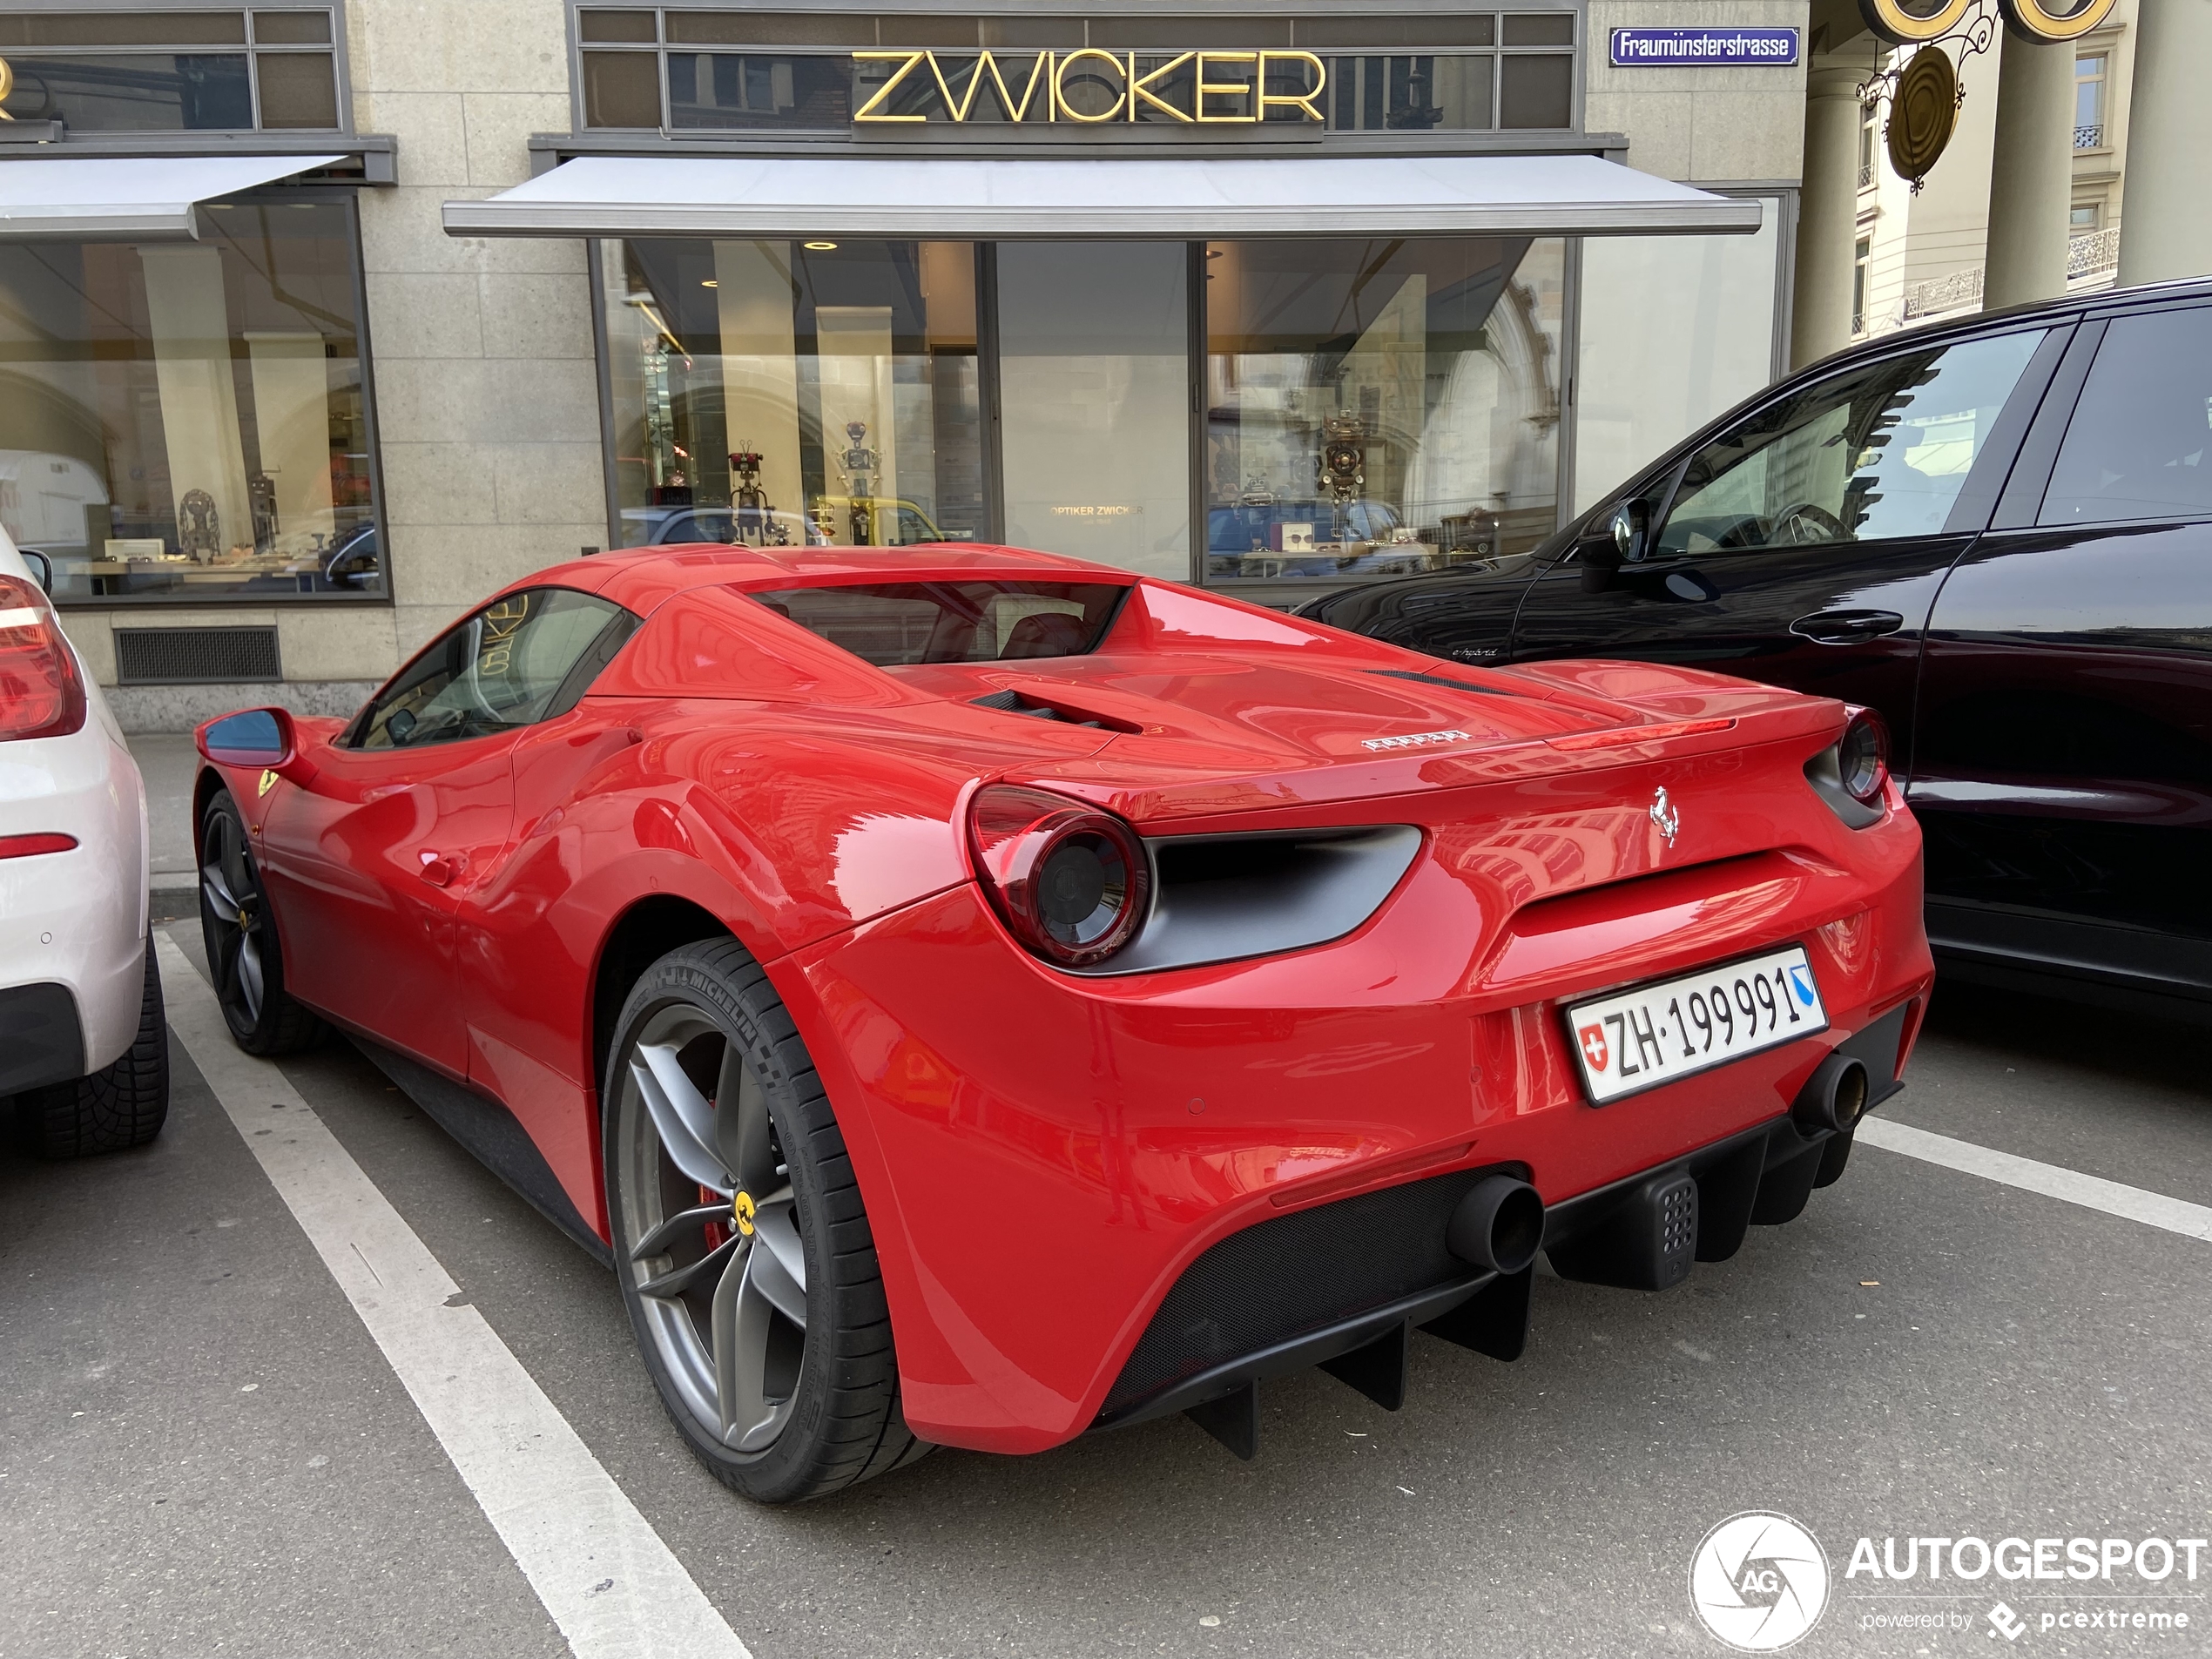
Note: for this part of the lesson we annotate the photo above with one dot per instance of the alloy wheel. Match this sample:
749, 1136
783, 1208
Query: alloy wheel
230, 891
717, 1260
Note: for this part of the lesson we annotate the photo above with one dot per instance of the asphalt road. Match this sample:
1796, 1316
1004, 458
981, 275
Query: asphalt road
203, 1451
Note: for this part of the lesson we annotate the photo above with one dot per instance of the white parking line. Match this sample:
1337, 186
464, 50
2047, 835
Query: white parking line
613, 1587
2092, 1192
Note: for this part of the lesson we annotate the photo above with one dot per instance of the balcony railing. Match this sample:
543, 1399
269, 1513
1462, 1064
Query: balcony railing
2089, 138
2091, 256
1866, 175
1937, 294
2091, 261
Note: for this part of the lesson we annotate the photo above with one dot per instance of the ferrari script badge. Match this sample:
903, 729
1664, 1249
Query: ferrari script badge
741, 1210
1419, 740
1664, 816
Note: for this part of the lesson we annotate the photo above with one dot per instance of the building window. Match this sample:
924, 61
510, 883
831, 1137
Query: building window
1866, 151
188, 420
1094, 378
2089, 100
1377, 407
1641, 389
173, 72
1859, 261
1362, 407
794, 394
682, 70
2085, 218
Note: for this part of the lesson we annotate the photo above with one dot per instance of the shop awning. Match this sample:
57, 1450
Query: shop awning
126, 199
934, 197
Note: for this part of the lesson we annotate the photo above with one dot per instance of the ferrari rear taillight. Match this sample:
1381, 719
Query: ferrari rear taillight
1071, 882
40, 693
1863, 757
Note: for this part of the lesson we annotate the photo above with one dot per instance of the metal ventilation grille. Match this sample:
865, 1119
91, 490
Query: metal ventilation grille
195, 655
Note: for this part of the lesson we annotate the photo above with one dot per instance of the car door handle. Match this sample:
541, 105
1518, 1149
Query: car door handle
439, 869
1846, 627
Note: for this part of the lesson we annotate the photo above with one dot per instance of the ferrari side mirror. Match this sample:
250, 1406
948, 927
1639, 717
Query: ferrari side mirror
262, 737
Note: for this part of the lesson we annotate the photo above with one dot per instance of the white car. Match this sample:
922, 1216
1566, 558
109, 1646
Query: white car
83, 1052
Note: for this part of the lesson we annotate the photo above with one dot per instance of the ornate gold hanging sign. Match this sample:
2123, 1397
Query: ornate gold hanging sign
1923, 112
2054, 24
1914, 23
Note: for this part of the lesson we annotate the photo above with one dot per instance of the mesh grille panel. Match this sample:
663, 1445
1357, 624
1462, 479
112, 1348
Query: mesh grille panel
195, 655
1293, 1274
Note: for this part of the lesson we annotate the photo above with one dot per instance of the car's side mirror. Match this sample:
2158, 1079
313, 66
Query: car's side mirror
1632, 531
42, 568
263, 737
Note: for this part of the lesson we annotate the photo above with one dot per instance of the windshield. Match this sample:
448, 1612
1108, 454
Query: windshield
897, 624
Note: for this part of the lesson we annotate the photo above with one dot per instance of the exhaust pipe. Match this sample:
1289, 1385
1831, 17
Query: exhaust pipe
1500, 1224
1834, 1097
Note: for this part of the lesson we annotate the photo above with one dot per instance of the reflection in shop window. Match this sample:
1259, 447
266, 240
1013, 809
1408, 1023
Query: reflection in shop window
1379, 407
188, 420
788, 394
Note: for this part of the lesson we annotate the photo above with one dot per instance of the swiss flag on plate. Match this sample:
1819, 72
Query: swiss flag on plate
1594, 1050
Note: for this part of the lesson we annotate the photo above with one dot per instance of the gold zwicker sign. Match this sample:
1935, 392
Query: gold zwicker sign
7, 85
1922, 111
1207, 88
1910, 22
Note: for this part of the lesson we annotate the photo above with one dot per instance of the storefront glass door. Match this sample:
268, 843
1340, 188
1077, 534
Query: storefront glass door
1095, 400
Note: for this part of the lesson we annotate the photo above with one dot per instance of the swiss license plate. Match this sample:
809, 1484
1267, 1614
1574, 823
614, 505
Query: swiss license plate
1650, 1034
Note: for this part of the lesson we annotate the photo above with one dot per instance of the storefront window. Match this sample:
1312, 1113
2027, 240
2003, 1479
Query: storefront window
188, 421
1379, 407
1095, 393
789, 394
1642, 389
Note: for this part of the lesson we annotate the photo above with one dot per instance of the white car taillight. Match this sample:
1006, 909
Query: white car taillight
40, 693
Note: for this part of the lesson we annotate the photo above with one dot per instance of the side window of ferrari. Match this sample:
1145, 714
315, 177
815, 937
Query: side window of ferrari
1877, 452
510, 664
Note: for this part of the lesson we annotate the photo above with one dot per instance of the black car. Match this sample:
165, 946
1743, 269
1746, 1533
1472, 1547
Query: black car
1997, 533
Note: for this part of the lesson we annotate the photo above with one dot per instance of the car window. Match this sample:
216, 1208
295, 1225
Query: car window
2140, 443
1872, 453
897, 624
506, 666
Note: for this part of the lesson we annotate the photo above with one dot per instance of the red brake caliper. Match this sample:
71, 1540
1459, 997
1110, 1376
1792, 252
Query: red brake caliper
716, 1234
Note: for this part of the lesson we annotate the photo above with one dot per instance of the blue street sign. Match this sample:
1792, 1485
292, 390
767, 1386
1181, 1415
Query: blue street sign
1700, 48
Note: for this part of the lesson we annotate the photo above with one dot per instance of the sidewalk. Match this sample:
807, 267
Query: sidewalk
165, 761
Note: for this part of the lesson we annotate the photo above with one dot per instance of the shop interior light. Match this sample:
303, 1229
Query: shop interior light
708, 282
822, 247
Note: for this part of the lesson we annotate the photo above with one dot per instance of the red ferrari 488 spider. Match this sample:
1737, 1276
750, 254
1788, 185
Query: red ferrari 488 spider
974, 997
